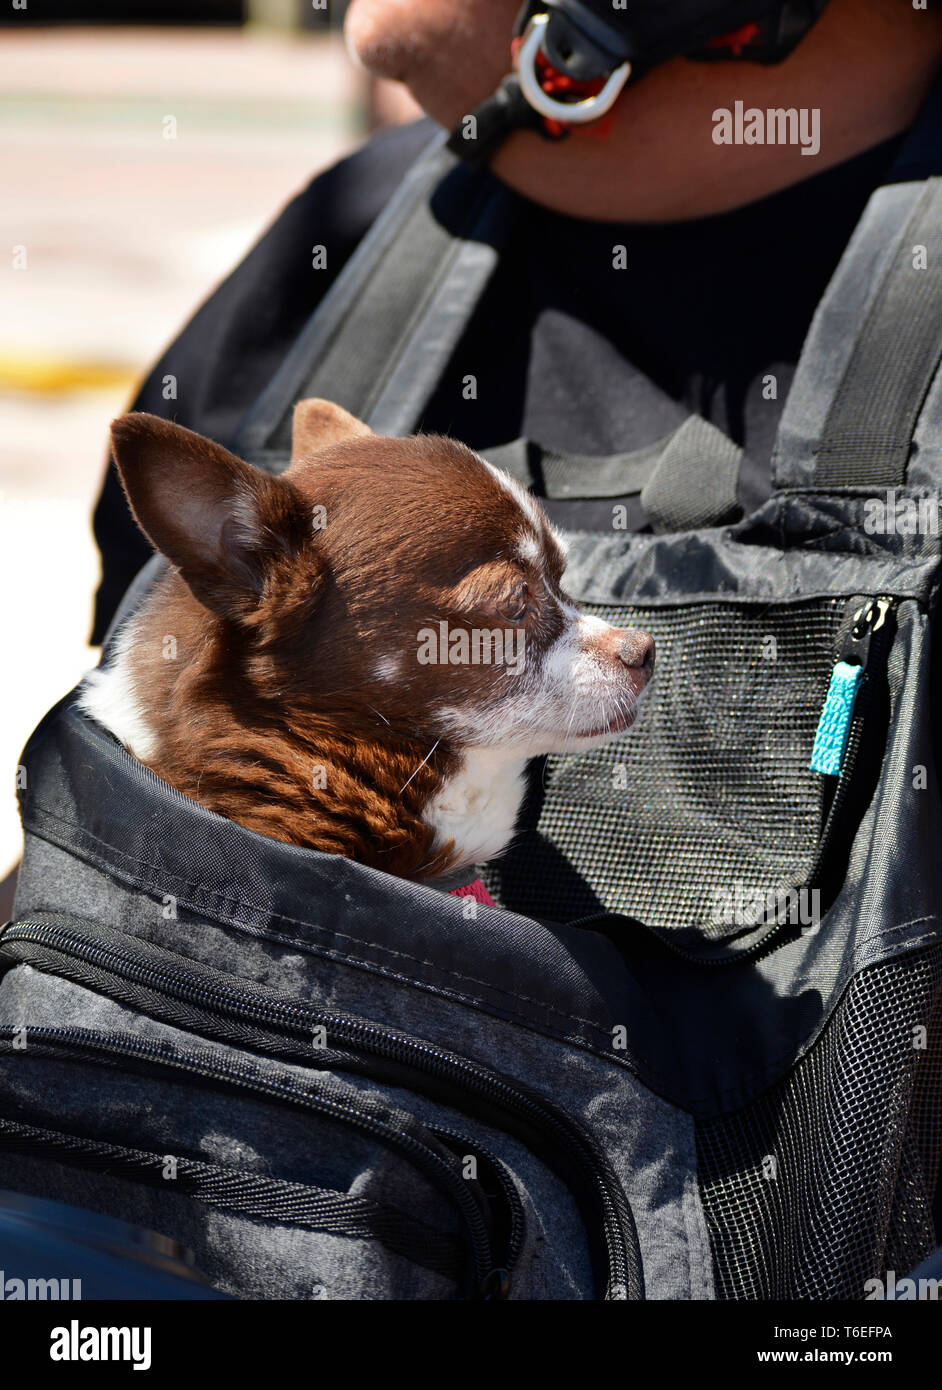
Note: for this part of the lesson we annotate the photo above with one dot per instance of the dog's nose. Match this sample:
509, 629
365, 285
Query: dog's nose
637, 649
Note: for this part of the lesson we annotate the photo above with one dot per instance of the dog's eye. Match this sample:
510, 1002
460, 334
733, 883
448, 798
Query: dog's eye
515, 606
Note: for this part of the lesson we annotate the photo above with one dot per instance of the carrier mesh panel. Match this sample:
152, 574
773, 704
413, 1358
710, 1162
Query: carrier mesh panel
828, 1180
709, 799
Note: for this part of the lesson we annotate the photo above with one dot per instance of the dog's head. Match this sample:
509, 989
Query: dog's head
400, 585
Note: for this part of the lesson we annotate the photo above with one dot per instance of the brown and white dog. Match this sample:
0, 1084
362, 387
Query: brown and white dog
360, 655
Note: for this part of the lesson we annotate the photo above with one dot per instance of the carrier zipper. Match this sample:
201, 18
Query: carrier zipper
78, 1042
867, 644
177, 983
207, 988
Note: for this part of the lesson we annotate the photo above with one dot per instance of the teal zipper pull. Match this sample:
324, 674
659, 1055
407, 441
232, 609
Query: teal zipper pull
830, 738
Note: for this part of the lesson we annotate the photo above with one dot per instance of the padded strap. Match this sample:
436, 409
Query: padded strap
870, 356
869, 429
380, 339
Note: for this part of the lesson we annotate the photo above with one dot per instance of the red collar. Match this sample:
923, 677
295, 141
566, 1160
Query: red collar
475, 890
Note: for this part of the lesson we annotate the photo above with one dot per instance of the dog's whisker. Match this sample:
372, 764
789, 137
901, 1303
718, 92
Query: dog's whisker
421, 765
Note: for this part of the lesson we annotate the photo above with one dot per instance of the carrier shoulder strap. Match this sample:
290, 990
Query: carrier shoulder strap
380, 340
866, 382
381, 337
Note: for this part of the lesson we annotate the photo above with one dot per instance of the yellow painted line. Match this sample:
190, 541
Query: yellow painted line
55, 376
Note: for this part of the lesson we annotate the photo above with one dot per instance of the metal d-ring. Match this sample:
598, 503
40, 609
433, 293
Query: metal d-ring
570, 112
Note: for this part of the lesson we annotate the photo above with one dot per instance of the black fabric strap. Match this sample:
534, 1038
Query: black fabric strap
250, 1194
686, 480
695, 482
561, 476
478, 135
868, 432
382, 336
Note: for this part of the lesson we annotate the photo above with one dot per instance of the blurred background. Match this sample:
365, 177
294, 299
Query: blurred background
112, 235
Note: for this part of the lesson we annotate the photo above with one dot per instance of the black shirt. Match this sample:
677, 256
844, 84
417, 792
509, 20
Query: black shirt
567, 349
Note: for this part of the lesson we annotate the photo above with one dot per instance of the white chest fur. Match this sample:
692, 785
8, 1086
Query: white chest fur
477, 807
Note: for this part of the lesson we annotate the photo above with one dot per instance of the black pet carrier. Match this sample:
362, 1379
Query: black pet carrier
695, 1050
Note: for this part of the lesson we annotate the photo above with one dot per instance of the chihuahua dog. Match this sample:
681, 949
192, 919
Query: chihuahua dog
360, 655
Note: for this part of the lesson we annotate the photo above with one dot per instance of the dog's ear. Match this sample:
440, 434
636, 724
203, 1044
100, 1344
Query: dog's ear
318, 423
221, 522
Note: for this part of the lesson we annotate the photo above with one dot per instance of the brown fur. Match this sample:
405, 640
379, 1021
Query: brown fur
276, 666
223, 741
287, 623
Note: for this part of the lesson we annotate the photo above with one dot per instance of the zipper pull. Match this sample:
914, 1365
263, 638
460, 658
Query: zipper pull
837, 713
830, 739
495, 1285
869, 618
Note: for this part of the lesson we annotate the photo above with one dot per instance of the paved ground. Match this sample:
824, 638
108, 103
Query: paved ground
124, 232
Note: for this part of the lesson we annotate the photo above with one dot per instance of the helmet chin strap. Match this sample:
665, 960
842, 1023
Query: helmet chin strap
478, 135
530, 98
538, 80
598, 57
